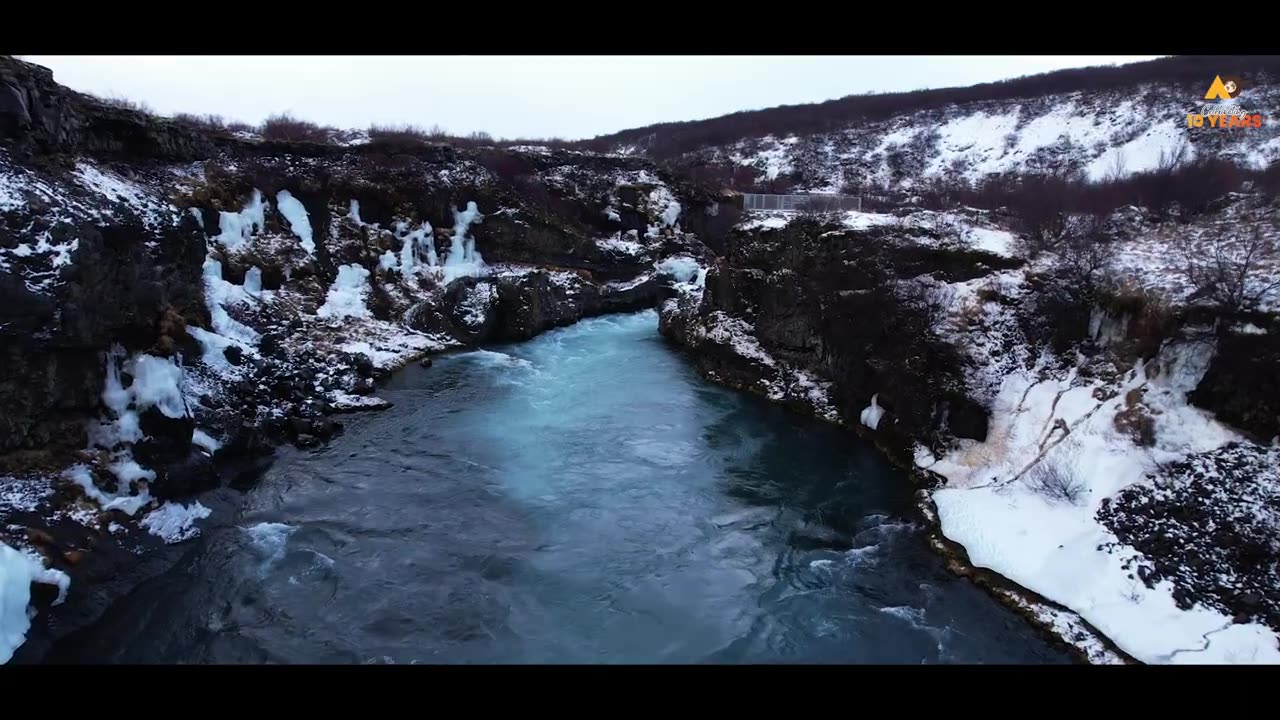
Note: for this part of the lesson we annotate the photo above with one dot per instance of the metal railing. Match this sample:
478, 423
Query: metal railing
815, 202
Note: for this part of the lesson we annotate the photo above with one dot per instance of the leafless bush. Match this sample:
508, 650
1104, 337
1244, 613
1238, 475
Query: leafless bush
946, 228
1173, 158
210, 122
1117, 167
1084, 253
127, 104
934, 302
1039, 207
286, 127
1057, 479
1236, 272
403, 134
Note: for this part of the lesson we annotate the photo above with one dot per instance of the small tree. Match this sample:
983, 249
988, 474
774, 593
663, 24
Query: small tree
1174, 158
1085, 257
1237, 272
1039, 208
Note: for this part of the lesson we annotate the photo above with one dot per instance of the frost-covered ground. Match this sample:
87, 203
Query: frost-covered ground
1156, 253
1056, 546
1065, 444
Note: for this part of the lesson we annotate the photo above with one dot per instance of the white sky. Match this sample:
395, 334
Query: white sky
521, 96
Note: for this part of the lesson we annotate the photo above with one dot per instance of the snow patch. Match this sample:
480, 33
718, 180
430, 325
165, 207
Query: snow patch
236, 229
992, 507
175, 522
475, 306
681, 267
124, 502
346, 295
152, 210
293, 211
205, 440
463, 260
17, 571
872, 413
616, 243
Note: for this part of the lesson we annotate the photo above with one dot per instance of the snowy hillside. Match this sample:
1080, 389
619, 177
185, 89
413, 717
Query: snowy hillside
1100, 135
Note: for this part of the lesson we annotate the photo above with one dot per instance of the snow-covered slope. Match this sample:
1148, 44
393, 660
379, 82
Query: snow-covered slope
1099, 135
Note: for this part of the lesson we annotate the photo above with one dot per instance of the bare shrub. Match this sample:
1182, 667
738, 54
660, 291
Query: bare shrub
286, 127
1173, 158
945, 228
1084, 254
1236, 272
1057, 479
399, 134
933, 302
210, 122
1117, 167
1039, 208
127, 104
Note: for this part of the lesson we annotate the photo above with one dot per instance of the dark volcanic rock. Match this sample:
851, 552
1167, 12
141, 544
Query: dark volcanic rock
1207, 526
234, 354
40, 116
844, 305
518, 307
193, 475
167, 439
1242, 385
52, 364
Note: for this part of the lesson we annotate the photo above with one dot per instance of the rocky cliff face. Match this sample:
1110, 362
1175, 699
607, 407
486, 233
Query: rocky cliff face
826, 317
174, 303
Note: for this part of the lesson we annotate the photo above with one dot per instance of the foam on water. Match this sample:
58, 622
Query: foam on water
491, 357
270, 540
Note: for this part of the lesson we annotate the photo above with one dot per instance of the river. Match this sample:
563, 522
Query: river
584, 497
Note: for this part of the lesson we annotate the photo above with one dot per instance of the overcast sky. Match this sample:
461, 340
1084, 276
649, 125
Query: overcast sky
521, 96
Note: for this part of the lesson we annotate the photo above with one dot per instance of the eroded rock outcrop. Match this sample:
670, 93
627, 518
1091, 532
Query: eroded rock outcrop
267, 286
